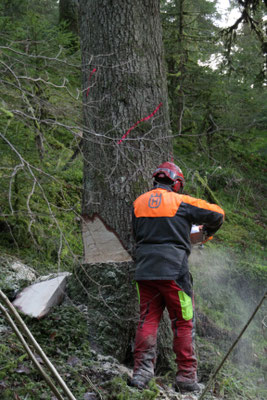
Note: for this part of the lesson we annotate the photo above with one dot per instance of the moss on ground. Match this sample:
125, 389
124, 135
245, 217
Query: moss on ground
63, 335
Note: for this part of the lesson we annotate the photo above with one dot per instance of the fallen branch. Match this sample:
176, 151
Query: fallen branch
36, 346
232, 347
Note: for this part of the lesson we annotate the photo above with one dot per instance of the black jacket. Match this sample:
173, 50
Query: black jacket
162, 222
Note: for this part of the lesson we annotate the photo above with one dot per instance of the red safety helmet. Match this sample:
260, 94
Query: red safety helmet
171, 171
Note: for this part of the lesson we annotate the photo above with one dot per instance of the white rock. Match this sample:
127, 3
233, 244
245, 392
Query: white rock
37, 300
51, 276
23, 272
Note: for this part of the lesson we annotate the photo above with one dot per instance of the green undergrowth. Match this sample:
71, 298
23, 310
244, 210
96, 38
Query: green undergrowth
63, 337
117, 389
239, 384
228, 286
234, 380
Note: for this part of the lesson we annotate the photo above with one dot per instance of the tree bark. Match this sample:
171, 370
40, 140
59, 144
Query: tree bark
109, 291
123, 82
126, 135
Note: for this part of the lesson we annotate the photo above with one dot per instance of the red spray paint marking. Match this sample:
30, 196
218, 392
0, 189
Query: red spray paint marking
90, 76
138, 122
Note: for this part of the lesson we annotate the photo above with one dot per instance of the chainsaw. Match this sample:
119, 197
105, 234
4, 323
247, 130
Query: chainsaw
198, 235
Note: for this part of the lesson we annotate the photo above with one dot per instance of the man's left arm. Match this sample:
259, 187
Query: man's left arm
200, 212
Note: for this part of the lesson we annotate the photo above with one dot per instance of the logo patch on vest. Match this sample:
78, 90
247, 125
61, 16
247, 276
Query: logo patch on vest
154, 200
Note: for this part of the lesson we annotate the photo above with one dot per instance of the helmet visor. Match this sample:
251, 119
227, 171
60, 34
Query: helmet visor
169, 173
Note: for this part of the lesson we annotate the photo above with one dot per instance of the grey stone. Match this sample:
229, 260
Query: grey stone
89, 396
14, 275
37, 300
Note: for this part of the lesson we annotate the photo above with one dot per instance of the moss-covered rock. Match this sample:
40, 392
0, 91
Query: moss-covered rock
14, 275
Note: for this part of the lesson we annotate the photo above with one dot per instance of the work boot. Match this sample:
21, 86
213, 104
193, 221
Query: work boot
140, 381
186, 385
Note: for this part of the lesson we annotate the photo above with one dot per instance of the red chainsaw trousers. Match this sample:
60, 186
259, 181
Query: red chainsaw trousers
154, 296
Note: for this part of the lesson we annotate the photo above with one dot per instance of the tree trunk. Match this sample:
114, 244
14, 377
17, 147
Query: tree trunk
108, 290
123, 82
126, 135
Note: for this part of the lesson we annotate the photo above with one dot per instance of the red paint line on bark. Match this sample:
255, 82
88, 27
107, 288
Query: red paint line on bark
138, 122
90, 76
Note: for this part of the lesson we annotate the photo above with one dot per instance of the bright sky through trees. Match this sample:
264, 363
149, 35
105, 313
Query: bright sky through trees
228, 16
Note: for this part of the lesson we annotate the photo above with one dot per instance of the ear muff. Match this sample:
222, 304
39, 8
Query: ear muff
177, 187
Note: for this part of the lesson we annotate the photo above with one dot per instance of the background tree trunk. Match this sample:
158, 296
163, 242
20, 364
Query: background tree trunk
68, 12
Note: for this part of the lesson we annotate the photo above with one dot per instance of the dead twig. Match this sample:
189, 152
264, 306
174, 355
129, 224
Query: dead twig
86, 377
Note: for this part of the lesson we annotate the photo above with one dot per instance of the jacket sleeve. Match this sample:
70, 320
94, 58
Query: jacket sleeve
200, 212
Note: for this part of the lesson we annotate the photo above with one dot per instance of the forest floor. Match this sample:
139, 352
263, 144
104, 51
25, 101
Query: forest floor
90, 375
